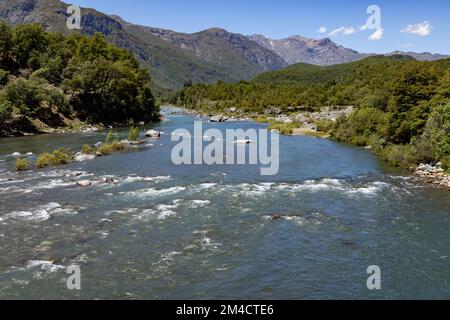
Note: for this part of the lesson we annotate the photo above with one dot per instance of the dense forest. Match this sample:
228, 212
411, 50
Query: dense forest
402, 106
50, 79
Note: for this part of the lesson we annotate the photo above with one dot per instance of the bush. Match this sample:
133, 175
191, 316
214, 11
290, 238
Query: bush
446, 163
133, 135
58, 157
283, 128
111, 137
22, 164
3, 77
87, 149
108, 148
5, 111
400, 155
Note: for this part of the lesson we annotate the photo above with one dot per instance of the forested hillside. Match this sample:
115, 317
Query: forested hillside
402, 105
47, 79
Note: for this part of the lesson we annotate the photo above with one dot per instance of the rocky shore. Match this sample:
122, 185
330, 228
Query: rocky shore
435, 175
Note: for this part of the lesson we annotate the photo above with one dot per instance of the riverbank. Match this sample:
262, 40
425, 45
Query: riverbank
315, 124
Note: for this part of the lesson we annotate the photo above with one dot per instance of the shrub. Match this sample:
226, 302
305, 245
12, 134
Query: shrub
5, 111
446, 163
58, 157
87, 149
108, 148
111, 137
133, 135
3, 77
400, 155
22, 164
283, 128
44, 160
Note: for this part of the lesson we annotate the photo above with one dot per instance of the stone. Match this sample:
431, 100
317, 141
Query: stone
84, 183
152, 134
80, 157
216, 119
244, 141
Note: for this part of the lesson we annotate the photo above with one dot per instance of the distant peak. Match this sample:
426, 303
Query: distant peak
216, 30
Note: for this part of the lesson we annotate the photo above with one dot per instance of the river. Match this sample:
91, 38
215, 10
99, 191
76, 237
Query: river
162, 231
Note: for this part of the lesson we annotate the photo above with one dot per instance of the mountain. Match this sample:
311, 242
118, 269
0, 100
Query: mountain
296, 49
170, 66
307, 74
424, 56
203, 57
242, 57
324, 52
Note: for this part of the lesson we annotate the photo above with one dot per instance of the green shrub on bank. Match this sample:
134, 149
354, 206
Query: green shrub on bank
446, 163
283, 128
400, 155
57, 158
3, 77
133, 134
22, 164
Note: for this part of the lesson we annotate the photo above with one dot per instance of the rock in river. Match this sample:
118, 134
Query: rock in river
84, 183
152, 134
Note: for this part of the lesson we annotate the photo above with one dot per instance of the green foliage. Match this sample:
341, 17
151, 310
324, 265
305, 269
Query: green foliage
87, 149
399, 102
78, 76
283, 128
400, 155
5, 110
133, 134
437, 132
111, 137
58, 157
3, 77
108, 148
446, 163
22, 164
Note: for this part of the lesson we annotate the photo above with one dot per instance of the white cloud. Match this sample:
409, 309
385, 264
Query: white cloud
342, 31
422, 29
377, 35
322, 29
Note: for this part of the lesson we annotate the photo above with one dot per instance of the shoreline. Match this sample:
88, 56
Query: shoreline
425, 173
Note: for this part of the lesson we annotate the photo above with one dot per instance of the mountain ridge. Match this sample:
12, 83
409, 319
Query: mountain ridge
175, 58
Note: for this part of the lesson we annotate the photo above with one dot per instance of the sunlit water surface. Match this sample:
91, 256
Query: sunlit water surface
162, 231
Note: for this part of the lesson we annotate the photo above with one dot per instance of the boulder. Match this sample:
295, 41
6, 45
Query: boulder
244, 141
152, 134
80, 157
98, 144
84, 183
216, 119
108, 180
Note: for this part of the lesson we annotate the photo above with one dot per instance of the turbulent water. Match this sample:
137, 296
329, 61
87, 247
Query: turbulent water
162, 231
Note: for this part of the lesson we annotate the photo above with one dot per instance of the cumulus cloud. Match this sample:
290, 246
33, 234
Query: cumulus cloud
342, 31
422, 29
322, 29
377, 35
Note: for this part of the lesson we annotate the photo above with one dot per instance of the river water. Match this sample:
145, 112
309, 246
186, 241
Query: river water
162, 231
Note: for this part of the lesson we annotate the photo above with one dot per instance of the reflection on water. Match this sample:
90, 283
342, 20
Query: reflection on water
161, 231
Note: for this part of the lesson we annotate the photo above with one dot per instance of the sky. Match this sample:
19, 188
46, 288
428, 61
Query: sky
406, 25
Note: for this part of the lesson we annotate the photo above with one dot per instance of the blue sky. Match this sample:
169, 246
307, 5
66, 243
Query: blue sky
406, 25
